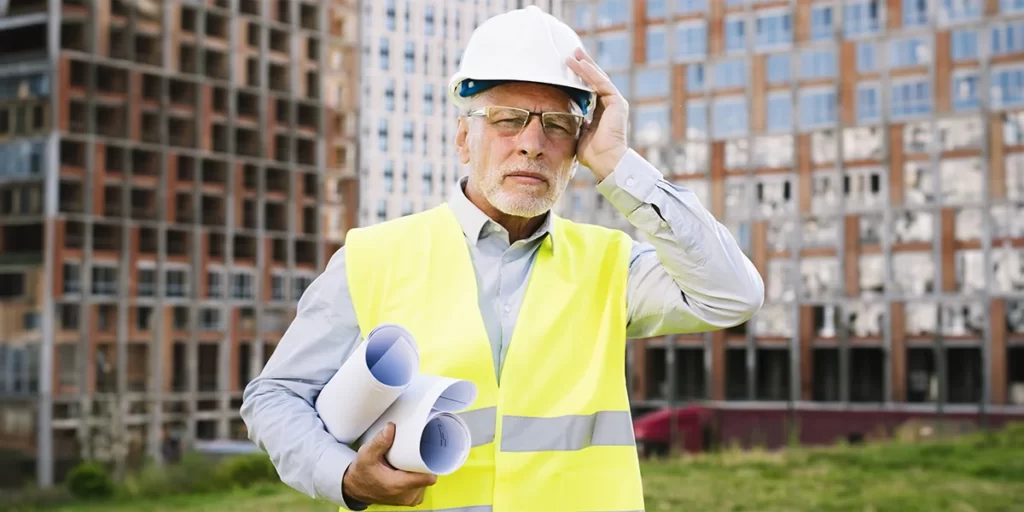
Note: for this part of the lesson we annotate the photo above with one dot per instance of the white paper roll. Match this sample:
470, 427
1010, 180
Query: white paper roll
368, 382
429, 437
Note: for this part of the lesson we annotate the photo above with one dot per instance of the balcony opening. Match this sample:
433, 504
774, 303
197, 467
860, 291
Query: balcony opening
220, 138
308, 116
24, 42
188, 20
247, 142
1015, 374
147, 240
209, 363
213, 210
70, 196
309, 16
254, 36
188, 61
181, 132
114, 157
313, 85
964, 375
279, 81
825, 368
313, 49
250, 7
215, 172
78, 117
284, 12
216, 26
250, 217
72, 153
277, 181
252, 72
922, 380
282, 148
148, 50
177, 242
186, 168
111, 80
867, 374
245, 247
736, 375
119, 43
144, 204
112, 201
22, 243
276, 218
150, 127
216, 244
310, 185
73, 36
305, 252
250, 177
216, 65
74, 235
183, 208
279, 251
248, 104
145, 163
282, 113
309, 220
305, 151
182, 93
773, 372
114, 120
152, 87
106, 237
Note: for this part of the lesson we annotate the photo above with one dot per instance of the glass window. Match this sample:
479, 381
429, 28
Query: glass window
1007, 38
1008, 6
867, 57
382, 134
860, 17
1007, 87
773, 28
691, 40
779, 68
582, 16
822, 24
652, 125
656, 51
911, 98
915, 13
612, 12
729, 117
952, 11
695, 77
730, 74
964, 44
818, 63
735, 35
655, 9
389, 176
652, 83
779, 112
621, 82
965, 91
428, 20
690, 6
909, 52
385, 53
21, 158
613, 51
410, 57
817, 107
696, 120
389, 95
869, 103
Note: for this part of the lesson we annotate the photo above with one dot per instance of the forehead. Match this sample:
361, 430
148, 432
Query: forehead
530, 96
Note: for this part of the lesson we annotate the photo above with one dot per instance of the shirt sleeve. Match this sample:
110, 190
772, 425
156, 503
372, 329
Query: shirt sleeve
278, 405
689, 275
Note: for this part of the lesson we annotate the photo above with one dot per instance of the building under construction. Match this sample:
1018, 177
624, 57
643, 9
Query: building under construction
869, 157
172, 176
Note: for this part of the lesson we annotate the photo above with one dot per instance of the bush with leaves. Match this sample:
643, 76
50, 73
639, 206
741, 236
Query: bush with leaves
90, 480
246, 470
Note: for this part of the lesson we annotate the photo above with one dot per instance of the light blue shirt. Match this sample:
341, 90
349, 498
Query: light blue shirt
690, 276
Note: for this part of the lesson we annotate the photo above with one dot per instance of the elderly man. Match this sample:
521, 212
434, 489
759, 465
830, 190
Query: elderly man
532, 308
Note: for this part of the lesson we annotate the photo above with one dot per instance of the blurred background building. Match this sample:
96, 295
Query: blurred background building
869, 157
174, 174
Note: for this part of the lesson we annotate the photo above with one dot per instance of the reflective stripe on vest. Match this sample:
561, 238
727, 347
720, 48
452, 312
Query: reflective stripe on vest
478, 508
562, 433
481, 425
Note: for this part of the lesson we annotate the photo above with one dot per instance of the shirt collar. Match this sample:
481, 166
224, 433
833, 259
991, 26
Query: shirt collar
474, 221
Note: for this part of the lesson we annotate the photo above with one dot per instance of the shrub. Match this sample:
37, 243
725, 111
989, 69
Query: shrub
90, 480
246, 471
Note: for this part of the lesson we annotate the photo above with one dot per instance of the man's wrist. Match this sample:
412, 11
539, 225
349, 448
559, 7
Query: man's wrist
350, 502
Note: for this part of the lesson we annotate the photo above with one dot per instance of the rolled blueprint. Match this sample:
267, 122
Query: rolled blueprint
429, 437
381, 383
369, 381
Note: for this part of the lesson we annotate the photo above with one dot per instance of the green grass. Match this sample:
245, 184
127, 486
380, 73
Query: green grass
982, 472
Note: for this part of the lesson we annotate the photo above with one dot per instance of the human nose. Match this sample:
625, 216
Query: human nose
531, 139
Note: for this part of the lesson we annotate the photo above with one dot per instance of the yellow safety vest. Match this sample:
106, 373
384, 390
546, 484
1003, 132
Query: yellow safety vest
557, 434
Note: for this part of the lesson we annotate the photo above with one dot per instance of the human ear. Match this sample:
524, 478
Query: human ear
462, 139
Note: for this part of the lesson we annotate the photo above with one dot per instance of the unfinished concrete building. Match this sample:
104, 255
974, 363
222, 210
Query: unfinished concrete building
172, 176
869, 157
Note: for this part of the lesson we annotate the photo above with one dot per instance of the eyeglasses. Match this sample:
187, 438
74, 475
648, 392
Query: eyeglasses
512, 121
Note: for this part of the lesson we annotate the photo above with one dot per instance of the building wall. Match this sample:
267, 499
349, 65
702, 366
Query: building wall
189, 170
868, 158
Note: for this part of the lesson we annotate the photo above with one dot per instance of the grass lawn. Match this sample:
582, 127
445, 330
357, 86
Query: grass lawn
977, 473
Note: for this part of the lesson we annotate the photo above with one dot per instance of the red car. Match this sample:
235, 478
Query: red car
694, 432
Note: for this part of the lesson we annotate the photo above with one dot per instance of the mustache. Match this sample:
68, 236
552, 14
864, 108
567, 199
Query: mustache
536, 168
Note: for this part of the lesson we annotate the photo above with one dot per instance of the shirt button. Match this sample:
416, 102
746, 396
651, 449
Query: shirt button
508, 308
664, 224
629, 182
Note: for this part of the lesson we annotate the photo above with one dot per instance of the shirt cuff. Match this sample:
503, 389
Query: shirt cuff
329, 473
631, 184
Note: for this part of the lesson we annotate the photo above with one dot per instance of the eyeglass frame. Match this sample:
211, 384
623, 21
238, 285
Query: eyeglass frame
484, 112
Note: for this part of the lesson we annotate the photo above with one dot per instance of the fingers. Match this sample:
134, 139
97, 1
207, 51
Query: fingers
411, 480
382, 442
591, 74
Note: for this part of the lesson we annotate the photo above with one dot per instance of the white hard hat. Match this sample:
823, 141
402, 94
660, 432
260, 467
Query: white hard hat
525, 45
